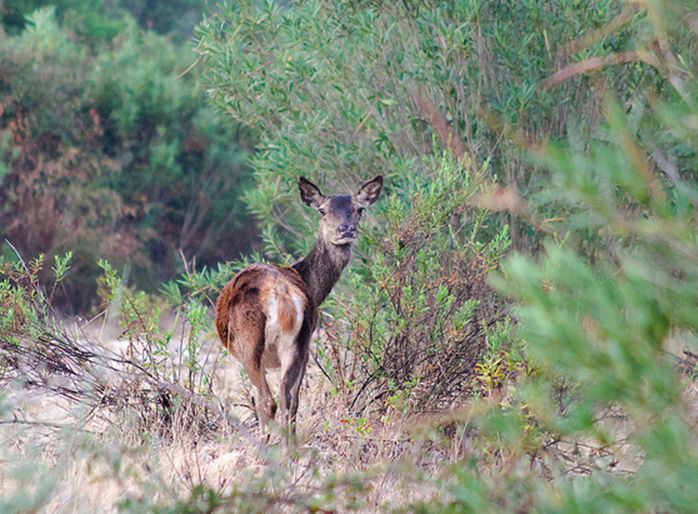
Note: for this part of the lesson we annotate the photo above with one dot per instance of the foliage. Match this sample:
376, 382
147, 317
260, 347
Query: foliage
20, 298
107, 153
608, 325
601, 335
604, 329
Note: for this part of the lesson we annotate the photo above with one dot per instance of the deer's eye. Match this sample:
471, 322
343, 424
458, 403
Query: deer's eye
322, 211
360, 210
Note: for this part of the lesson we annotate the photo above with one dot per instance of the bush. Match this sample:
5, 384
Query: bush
385, 80
421, 316
152, 388
610, 326
94, 20
609, 321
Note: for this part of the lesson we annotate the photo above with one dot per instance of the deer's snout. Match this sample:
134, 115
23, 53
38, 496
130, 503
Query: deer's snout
347, 230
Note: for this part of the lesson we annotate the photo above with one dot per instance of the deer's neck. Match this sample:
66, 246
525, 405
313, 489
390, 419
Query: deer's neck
321, 269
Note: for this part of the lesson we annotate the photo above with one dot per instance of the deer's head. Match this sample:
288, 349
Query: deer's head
340, 214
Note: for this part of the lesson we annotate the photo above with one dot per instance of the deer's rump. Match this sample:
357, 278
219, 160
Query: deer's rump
260, 312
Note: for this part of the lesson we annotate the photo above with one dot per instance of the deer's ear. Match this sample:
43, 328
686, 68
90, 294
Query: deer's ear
310, 193
370, 192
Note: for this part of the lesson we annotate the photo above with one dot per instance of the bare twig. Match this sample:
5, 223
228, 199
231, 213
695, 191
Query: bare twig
597, 63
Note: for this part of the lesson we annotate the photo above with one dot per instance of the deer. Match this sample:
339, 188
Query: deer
266, 314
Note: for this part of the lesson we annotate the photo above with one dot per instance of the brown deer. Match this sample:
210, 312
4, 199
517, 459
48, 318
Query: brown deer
266, 314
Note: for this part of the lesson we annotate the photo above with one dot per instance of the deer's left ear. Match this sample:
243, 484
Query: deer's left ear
370, 192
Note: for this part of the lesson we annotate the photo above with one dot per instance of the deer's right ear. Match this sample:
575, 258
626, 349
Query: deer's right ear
370, 191
310, 193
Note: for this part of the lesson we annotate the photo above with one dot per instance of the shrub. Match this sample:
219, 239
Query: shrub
421, 315
95, 20
605, 320
609, 326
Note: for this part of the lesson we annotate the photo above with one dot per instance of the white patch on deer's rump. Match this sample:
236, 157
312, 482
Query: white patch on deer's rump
299, 304
288, 348
279, 343
272, 331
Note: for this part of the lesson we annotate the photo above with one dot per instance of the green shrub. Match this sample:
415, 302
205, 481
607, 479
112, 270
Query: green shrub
267, 65
608, 326
95, 20
608, 314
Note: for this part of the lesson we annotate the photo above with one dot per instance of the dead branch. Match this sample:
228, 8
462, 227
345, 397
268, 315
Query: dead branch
597, 63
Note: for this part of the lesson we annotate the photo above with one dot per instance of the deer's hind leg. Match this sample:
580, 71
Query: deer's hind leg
264, 404
293, 365
250, 343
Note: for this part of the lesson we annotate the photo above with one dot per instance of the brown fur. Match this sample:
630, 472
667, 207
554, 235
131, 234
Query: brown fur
287, 315
249, 292
242, 311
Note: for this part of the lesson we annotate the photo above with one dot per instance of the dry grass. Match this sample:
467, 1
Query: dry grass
96, 450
